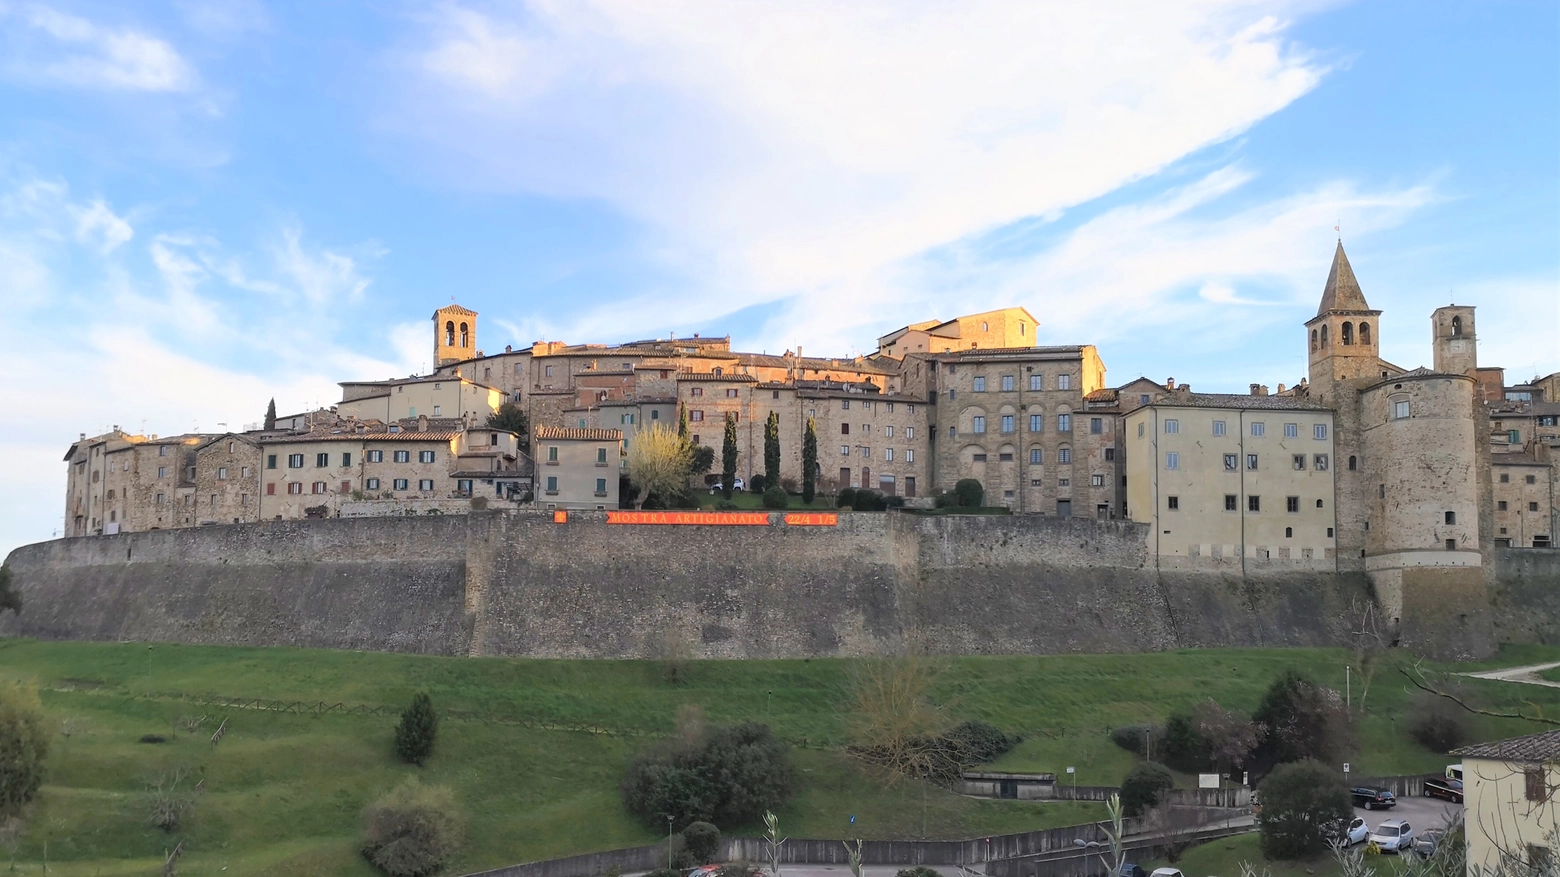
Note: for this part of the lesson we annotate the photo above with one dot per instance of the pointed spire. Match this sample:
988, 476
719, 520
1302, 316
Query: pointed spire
1342, 292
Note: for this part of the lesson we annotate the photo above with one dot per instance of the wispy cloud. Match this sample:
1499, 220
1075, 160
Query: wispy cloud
49, 46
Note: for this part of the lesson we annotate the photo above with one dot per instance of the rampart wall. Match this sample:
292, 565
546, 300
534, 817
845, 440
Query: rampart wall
506, 583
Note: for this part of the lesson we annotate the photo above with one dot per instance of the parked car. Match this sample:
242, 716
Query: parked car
1426, 844
736, 485
1441, 787
1167, 872
1357, 833
1392, 836
1132, 869
1373, 799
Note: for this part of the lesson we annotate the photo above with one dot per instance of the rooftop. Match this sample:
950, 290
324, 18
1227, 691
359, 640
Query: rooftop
1342, 292
1543, 746
559, 433
1239, 400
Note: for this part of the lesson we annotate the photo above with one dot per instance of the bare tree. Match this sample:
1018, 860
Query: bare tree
658, 462
170, 798
673, 647
1370, 643
1231, 736
894, 723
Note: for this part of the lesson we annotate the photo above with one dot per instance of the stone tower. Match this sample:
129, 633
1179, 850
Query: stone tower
1456, 345
454, 335
1344, 343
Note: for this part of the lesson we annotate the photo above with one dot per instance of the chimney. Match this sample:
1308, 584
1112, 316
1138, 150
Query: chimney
509, 348
1169, 383
1280, 389
422, 423
1256, 389
1187, 389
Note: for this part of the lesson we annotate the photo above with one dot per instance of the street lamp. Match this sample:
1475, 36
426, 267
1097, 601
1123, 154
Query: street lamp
668, 843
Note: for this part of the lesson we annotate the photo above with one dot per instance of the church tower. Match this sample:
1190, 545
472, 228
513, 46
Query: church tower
1344, 343
454, 335
1456, 345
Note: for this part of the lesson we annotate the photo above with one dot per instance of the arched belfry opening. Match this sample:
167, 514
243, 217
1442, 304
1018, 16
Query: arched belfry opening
465, 336
449, 334
1364, 333
1456, 326
1348, 333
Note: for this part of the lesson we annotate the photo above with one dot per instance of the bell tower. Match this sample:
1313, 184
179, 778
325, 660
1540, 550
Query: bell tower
1456, 345
454, 335
1343, 338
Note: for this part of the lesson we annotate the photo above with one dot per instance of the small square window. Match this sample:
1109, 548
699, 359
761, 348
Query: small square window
1299, 461
1500, 506
1230, 502
1292, 504
1097, 480
1173, 503
1231, 462
1218, 427
1172, 427
1254, 503
1258, 429
1172, 460
979, 384
1530, 479
1007, 383
1291, 430
1451, 517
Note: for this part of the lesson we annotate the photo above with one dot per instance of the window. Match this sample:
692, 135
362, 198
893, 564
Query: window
1451, 545
399, 483
1354, 463
1096, 480
1110, 455
1064, 382
950, 432
731, 393
1172, 427
318, 487
1253, 503
425, 484
1064, 482
270, 461
1532, 506
401, 456
845, 450
321, 461
696, 415
1399, 409
1096, 425
1514, 437
1007, 383
1529, 479
1143, 399
1172, 460
1500, 505
888, 454
655, 414
1173, 503
979, 424
1548, 420
547, 370
1218, 427
1319, 462
437, 410
909, 432
980, 384
865, 451
601, 487
376, 456
1291, 430
1037, 382
1505, 478
1036, 456
1037, 423
1319, 432
888, 432
552, 484
1229, 502
221, 476
844, 429
1381, 490
295, 461
1451, 517
295, 487
346, 458
909, 456
1258, 429
1289, 532
1036, 482
1064, 423
1064, 455
979, 458
160, 498
371, 484
866, 429
1292, 504
845, 403
696, 391
161, 451
1299, 461
1007, 423
1251, 461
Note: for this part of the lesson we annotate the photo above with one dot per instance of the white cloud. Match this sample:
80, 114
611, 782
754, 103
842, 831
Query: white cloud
99, 226
47, 45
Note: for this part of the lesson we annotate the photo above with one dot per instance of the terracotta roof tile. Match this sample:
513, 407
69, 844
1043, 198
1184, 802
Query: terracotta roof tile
1543, 746
559, 433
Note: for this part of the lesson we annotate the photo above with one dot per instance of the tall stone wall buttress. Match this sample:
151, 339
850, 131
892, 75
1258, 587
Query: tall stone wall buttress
519, 584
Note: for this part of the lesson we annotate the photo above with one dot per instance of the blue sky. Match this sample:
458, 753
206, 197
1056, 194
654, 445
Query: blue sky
207, 204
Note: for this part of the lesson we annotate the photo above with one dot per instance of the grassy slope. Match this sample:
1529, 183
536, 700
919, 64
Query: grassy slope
286, 791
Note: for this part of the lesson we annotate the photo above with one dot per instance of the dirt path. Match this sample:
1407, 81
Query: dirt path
1527, 675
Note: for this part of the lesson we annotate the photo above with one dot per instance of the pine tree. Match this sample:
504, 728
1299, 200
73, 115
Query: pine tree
772, 450
682, 423
810, 463
728, 458
270, 415
419, 727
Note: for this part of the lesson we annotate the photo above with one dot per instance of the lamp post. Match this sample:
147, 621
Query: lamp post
668, 843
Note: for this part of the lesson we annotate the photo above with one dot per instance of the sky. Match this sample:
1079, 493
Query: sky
208, 204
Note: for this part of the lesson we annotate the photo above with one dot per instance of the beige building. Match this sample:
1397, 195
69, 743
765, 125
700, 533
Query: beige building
577, 468
1233, 477
434, 396
120, 483
1510, 814
1004, 328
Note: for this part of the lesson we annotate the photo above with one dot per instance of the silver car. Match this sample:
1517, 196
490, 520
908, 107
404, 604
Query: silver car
1393, 836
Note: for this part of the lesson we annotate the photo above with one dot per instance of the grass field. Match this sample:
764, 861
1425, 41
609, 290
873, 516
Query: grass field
748, 500
285, 792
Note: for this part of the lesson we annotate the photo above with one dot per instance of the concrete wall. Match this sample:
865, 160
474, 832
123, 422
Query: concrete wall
1525, 595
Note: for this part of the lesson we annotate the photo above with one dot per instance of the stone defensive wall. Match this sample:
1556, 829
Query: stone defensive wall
523, 584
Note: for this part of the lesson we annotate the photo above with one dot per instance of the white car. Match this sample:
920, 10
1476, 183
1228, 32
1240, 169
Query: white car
1358, 832
1167, 872
1394, 835
736, 486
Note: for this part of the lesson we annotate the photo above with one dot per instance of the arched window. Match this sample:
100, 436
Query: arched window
1289, 532
1324, 337
1348, 333
1364, 333
1354, 463
1456, 326
716, 370
449, 334
1313, 339
464, 336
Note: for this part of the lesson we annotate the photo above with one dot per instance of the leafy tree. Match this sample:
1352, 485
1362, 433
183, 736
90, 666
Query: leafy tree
969, 493
776, 498
1144, 787
772, 449
728, 458
23, 746
9, 599
1438, 724
810, 463
703, 459
1304, 806
1183, 747
510, 416
726, 775
419, 727
757, 484
845, 497
978, 742
701, 840
413, 830
1231, 737
658, 465
1303, 720
270, 414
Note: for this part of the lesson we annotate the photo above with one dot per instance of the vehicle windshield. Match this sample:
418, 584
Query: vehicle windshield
1387, 831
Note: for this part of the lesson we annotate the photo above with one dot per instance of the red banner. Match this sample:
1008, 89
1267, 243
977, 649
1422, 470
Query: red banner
812, 519
719, 519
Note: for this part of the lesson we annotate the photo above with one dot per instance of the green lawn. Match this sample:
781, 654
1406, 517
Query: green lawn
1222, 858
748, 500
285, 792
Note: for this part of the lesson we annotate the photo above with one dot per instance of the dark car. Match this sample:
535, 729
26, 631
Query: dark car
1373, 799
1426, 844
1131, 869
1441, 787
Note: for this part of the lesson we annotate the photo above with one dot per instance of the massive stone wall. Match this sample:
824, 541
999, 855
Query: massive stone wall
504, 583
1525, 595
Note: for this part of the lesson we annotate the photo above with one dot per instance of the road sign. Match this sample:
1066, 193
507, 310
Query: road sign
1072, 770
852, 819
1345, 767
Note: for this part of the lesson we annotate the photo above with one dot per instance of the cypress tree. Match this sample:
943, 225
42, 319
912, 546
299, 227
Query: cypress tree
728, 458
810, 463
772, 450
419, 727
682, 423
270, 415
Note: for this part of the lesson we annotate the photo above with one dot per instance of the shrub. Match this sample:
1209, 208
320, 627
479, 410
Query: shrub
1438, 724
868, 501
1183, 747
701, 840
726, 776
757, 484
776, 498
665, 872
725, 505
413, 830
9, 599
419, 727
1231, 737
918, 871
1303, 806
1143, 788
943, 500
969, 493
23, 746
1132, 738
846, 497
170, 799
978, 742
152, 738
894, 502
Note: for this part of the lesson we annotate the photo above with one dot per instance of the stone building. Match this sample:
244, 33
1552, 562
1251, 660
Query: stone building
1000, 329
577, 468
119, 482
227, 480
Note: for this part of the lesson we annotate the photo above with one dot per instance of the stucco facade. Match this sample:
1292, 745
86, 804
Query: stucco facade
1509, 808
577, 468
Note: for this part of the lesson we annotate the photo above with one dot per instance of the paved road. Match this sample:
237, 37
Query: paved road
1421, 813
1527, 675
